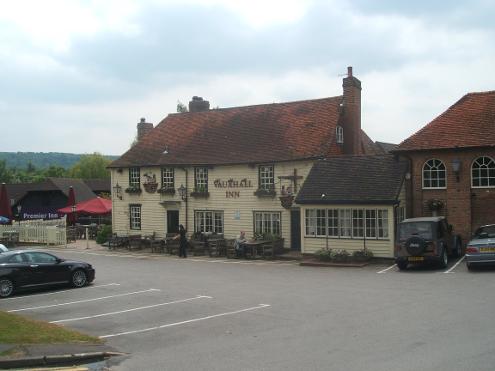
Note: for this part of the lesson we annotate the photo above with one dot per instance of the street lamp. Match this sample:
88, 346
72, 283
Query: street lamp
182, 192
117, 190
73, 209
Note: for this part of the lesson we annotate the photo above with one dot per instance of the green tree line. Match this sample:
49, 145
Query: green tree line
88, 167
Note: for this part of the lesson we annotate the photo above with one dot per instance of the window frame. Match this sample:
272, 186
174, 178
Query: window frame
168, 173
201, 178
134, 180
490, 180
262, 179
135, 220
339, 134
271, 222
208, 219
431, 171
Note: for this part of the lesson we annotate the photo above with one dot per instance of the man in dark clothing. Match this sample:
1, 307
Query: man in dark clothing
182, 242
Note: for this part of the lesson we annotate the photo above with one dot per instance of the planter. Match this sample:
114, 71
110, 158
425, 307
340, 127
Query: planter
133, 190
167, 191
265, 193
202, 194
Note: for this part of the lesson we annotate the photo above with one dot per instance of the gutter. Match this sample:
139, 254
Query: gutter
63, 359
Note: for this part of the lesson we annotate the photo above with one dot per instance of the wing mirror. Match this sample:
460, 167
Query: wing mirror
59, 260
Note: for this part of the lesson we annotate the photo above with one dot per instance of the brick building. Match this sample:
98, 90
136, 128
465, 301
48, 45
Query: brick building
452, 164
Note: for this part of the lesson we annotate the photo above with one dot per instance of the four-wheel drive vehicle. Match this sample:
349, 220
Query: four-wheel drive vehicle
424, 240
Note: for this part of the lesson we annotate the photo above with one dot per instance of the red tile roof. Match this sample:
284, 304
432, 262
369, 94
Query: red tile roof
470, 122
251, 134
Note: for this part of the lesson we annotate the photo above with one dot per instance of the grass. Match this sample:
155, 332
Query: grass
15, 329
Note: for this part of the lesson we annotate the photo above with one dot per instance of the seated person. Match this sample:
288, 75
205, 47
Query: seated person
239, 244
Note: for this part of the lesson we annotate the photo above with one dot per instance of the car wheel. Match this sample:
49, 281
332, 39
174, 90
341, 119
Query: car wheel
444, 258
79, 278
6, 287
402, 264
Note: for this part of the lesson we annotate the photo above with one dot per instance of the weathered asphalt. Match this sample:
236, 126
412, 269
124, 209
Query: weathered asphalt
317, 318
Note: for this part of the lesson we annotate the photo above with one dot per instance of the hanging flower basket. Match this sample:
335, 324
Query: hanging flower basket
434, 204
150, 187
286, 201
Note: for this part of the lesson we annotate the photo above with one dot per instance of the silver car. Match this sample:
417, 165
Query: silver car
481, 249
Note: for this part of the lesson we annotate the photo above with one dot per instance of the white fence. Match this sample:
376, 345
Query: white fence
42, 234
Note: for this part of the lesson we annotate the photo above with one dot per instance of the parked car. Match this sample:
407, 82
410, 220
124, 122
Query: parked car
3, 248
426, 240
481, 249
27, 269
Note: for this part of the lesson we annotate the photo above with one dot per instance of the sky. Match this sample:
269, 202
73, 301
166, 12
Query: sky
77, 76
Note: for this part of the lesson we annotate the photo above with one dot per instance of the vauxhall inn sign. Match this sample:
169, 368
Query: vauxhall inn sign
231, 184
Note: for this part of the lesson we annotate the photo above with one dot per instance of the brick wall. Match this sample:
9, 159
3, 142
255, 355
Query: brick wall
466, 208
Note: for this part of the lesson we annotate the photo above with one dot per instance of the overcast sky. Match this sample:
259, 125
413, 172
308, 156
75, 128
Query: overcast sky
76, 76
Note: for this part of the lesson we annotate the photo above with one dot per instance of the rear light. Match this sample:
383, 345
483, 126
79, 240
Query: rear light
471, 249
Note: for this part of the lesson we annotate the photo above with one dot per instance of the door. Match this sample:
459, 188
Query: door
47, 269
295, 229
172, 221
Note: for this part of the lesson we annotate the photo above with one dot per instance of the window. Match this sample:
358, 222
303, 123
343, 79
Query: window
39, 258
201, 179
266, 177
134, 177
168, 177
483, 172
208, 221
267, 222
339, 133
434, 174
135, 217
347, 223
400, 214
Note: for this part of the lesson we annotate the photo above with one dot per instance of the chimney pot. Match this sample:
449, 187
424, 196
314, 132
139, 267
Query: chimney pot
143, 120
349, 71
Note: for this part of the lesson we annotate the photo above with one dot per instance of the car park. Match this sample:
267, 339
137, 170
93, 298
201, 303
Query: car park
29, 269
426, 240
481, 249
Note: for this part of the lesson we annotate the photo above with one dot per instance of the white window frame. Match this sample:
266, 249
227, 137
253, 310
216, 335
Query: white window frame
487, 165
333, 223
267, 222
434, 168
339, 134
201, 178
168, 177
382, 224
134, 177
208, 221
358, 223
267, 177
135, 217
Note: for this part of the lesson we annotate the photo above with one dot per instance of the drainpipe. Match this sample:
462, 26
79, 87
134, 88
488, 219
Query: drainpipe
186, 200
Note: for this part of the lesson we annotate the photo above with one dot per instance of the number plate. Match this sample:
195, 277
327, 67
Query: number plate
416, 258
487, 249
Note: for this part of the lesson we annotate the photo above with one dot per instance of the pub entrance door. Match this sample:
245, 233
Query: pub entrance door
172, 221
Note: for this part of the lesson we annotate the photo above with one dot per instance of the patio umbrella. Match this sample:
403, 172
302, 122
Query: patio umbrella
5, 209
71, 215
95, 206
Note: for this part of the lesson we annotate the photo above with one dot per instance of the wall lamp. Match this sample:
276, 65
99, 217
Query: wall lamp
117, 191
182, 192
456, 167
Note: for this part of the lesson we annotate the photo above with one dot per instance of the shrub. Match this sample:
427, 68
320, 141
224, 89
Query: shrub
362, 255
323, 254
104, 234
339, 255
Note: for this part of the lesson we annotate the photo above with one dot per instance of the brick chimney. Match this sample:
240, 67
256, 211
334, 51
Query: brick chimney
352, 114
197, 104
143, 128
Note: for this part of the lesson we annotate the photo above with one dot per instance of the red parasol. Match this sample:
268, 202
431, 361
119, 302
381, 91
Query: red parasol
95, 206
71, 202
5, 209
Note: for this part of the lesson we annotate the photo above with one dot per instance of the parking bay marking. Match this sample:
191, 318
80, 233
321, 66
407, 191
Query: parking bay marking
133, 309
83, 301
387, 269
260, 306
455, 265
57, 292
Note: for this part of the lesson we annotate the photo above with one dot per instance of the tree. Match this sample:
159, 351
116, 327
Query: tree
91, 166
181, 107
5, 173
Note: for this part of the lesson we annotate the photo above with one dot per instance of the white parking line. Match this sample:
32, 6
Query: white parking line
184, 322
82, 301
387, 269
133, 309
58, 292
455, 265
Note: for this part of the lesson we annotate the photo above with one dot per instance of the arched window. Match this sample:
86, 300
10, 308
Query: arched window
483, 172
434, 174
339, 132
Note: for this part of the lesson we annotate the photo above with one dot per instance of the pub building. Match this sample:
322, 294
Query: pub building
234, 169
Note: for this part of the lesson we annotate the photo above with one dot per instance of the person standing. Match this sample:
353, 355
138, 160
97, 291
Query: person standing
182, 242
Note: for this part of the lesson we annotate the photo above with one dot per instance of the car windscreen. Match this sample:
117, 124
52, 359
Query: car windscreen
485, 232
416, 229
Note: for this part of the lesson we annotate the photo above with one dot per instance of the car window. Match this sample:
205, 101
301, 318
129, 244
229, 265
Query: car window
4, 258
485, 232
17, 258
420, 229
40, 257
